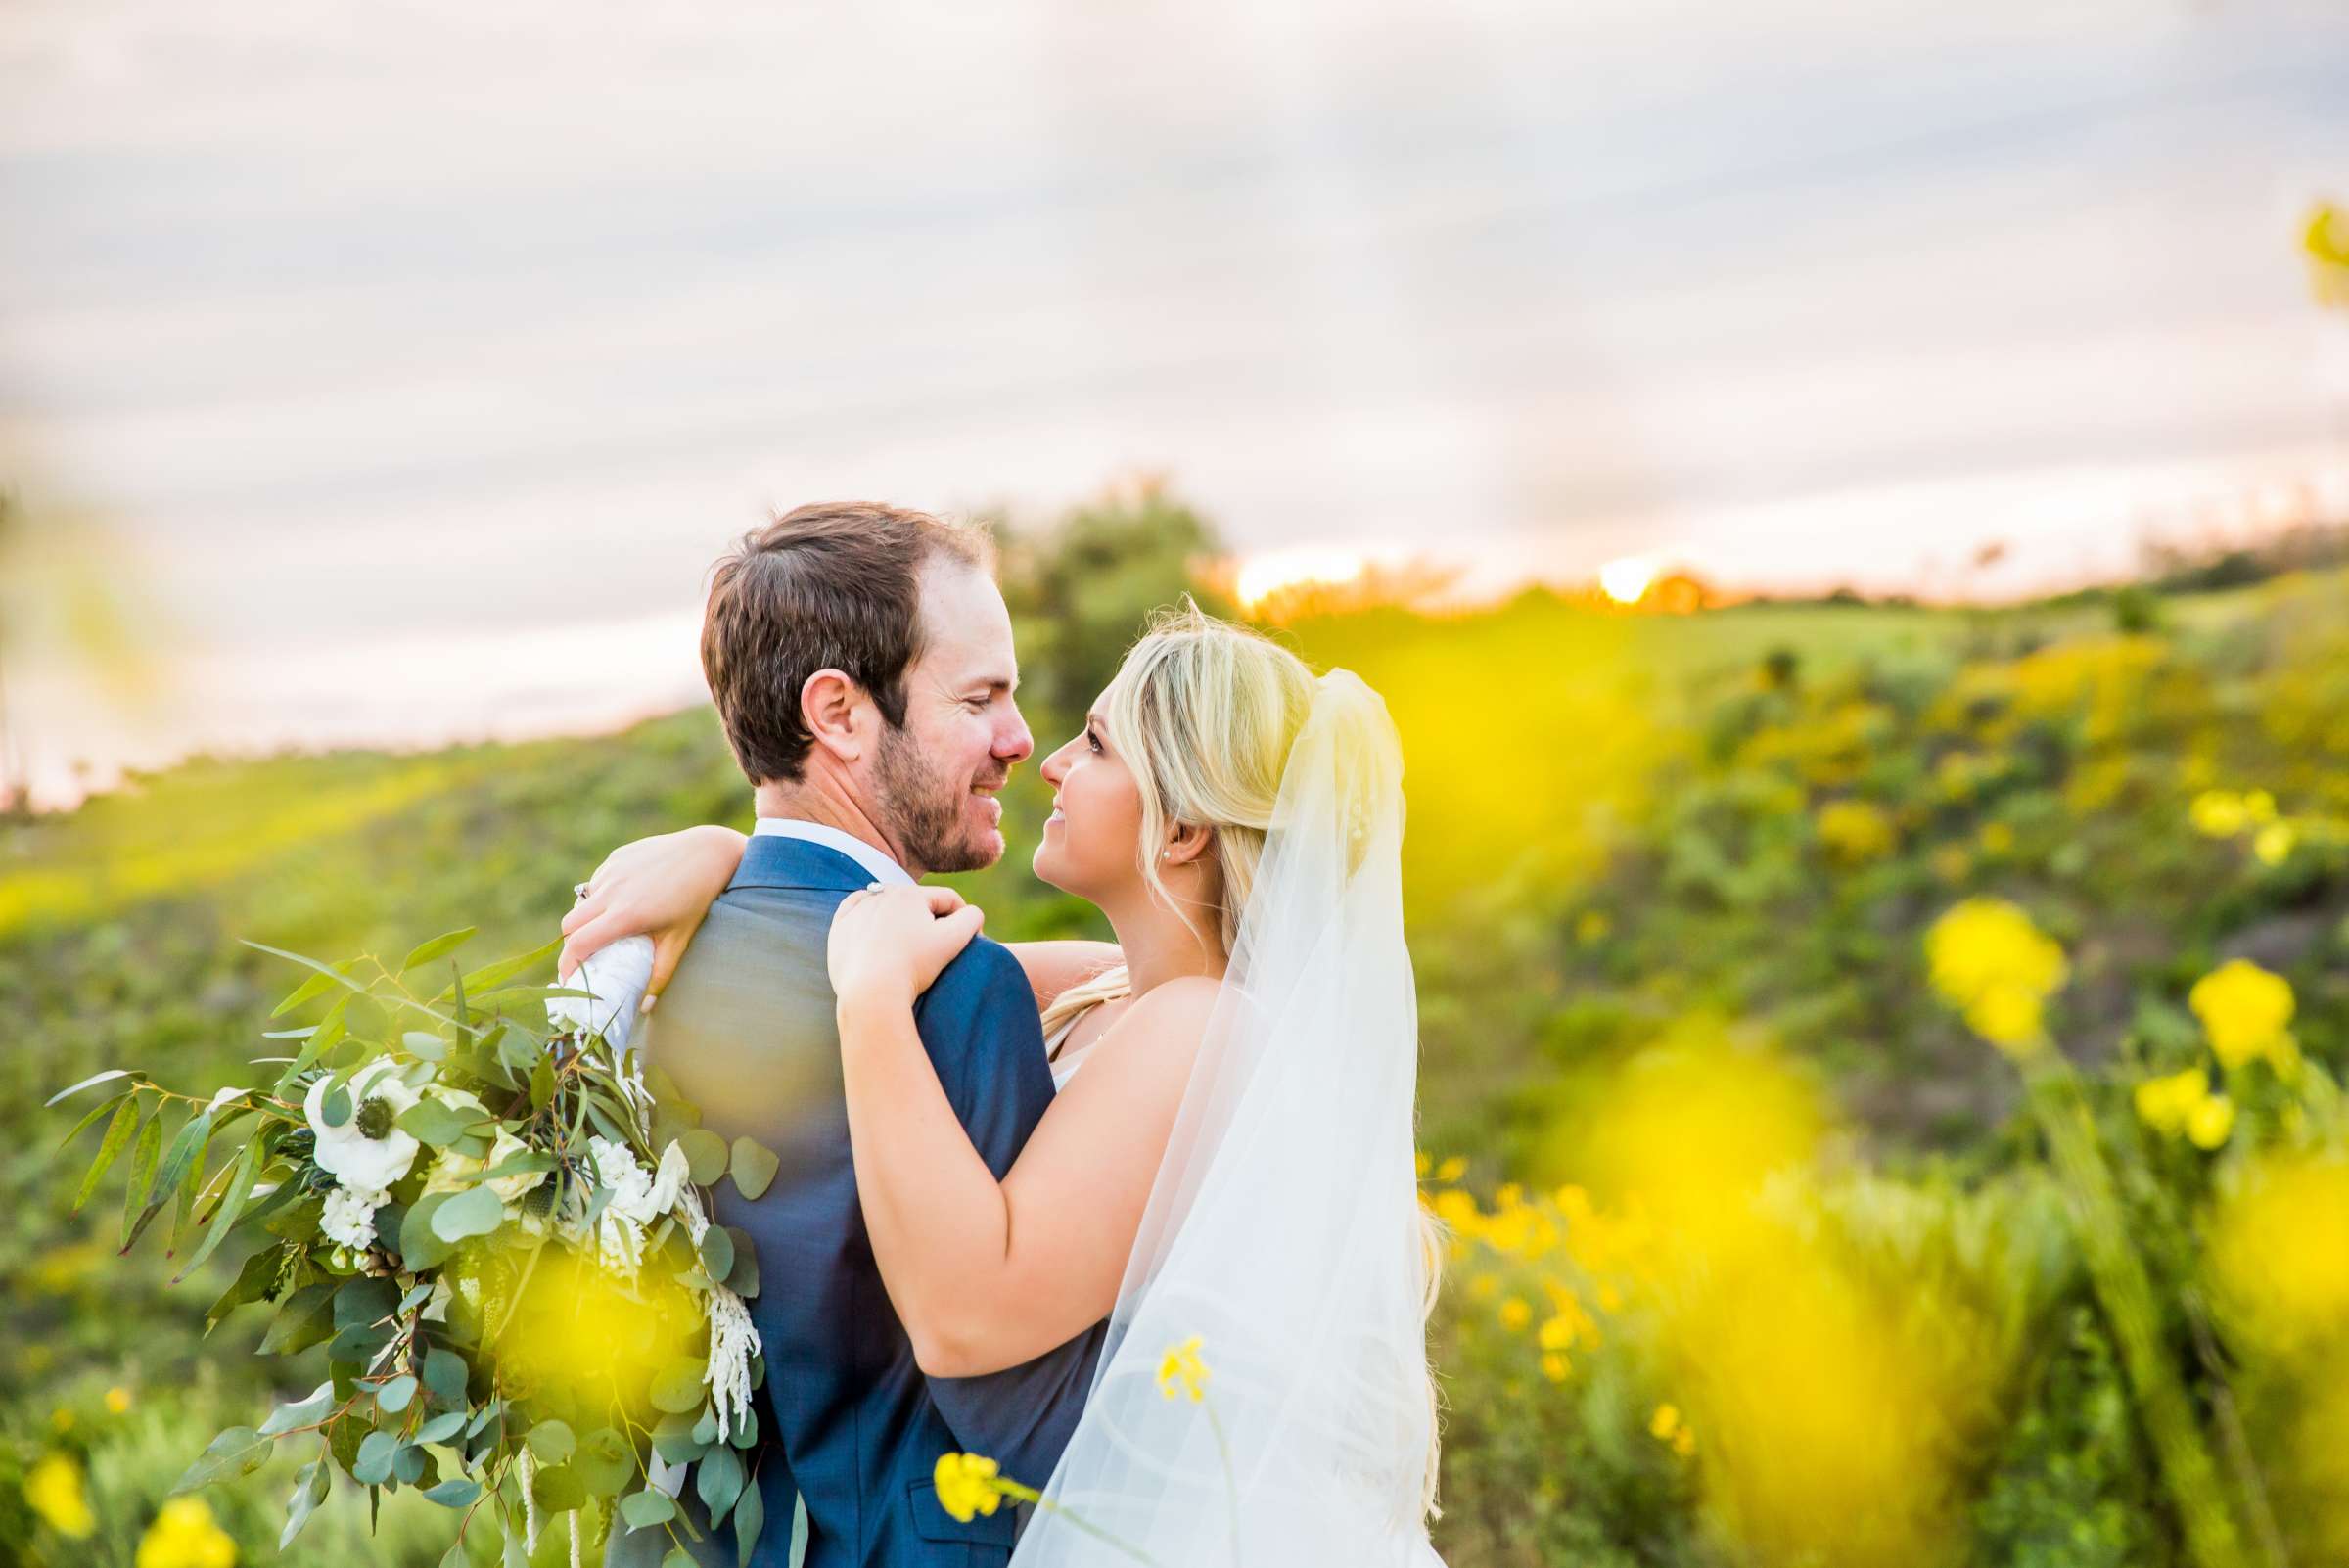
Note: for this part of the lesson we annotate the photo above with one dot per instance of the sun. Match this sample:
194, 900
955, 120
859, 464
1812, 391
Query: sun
1626, 580
1263, 576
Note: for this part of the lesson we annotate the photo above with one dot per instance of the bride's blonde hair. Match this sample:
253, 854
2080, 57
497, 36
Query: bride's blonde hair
1205, 712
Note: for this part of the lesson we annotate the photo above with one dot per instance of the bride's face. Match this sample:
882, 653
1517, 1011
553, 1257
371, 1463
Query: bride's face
1096, 821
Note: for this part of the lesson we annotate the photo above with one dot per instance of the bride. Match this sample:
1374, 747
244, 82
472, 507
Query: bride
1226, 1171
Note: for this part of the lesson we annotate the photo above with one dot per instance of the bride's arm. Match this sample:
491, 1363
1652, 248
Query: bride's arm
985, 1275
1053, 967
659, 887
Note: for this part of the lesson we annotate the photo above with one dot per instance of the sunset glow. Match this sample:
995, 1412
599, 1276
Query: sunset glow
1625, 580
1263, 576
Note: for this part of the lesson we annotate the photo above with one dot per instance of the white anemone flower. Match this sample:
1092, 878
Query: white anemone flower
366, 1150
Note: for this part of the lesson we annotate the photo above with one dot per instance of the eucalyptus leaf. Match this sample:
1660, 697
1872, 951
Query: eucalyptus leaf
303, 1319
305, 1411
678, 1388
393, 1397
753, 1166
232, 1203
718, 1252
454, 1493
445, 1375
425, 1047
643, 1509
439, 946
705, 1155
440, 1428
550, 1442
749, 1518
377, 1449
238, 1451
143, 1156
717, 1480
475, 1212
107, 1076
311, 1483
118, 1133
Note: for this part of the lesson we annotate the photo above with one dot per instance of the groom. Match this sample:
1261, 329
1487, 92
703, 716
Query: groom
860, 659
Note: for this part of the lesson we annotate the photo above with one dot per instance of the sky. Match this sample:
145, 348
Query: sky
402, 368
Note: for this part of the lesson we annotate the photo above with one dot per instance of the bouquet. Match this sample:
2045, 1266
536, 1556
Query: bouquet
499, 1233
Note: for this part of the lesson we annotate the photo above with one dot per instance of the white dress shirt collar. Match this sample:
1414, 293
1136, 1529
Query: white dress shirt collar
877, 865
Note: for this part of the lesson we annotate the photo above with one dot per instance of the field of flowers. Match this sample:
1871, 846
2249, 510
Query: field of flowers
1879, 1068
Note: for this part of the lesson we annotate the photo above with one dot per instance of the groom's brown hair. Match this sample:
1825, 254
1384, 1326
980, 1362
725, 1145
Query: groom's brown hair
835, 586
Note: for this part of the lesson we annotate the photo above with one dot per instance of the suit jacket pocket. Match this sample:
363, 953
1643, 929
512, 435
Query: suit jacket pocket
932, 1522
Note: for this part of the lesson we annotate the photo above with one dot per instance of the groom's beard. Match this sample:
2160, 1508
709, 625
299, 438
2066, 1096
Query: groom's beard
928, 813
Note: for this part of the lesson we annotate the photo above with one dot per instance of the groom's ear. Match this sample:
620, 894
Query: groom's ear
838, 714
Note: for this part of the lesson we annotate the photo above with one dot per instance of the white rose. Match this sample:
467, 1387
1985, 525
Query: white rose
350, 1216
617, 976
349, 1153
510, 1188
451, 1172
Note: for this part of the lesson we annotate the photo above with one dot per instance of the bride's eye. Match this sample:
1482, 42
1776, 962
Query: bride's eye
1092, 742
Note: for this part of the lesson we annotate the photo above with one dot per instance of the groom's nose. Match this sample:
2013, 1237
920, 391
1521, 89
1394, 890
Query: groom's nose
1013, 743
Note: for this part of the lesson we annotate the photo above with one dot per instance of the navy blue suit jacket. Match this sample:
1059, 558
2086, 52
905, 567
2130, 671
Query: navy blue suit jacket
848, 1423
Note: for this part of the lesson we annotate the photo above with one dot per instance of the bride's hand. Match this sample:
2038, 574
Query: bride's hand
888, 946
659, 887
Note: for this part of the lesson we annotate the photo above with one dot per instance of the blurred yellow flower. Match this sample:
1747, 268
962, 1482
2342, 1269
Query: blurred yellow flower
1556, 1333
1555, 1366
1986, 958
53, 1490
1683, 1442
2243, 1010
118, 1399
2274, 843
61, 1419
966, 1485
184, 1536
1515, 1314
1664, 1423
2166, 1104
1452, 1169
1591, 926
1423, 1163
1997, 838
2260, 806
2208, 1124
1181, 1372
1854, 831
1483, 1287
1951, 863
2278, 1250
2219, 813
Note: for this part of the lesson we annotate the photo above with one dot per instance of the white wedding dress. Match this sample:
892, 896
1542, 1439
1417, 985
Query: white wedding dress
1283, 1227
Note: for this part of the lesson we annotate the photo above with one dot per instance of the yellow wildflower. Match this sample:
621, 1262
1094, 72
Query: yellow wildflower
184, 1536
1515, 1314
1986, 958
2243, 1010
1951, 863
1591, 925
1664, 1422
966, 1485
1483, 1287
1556, 1333
2166, 1104
1555, 1368
2274, 843
61, 1419
1683, 1442
2278, 1249
2260, 806
1181, 1371
53, 1490
1423, 1163
2219, 813
1997, 838
1454, 1169
118, 1399
2208, 1124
